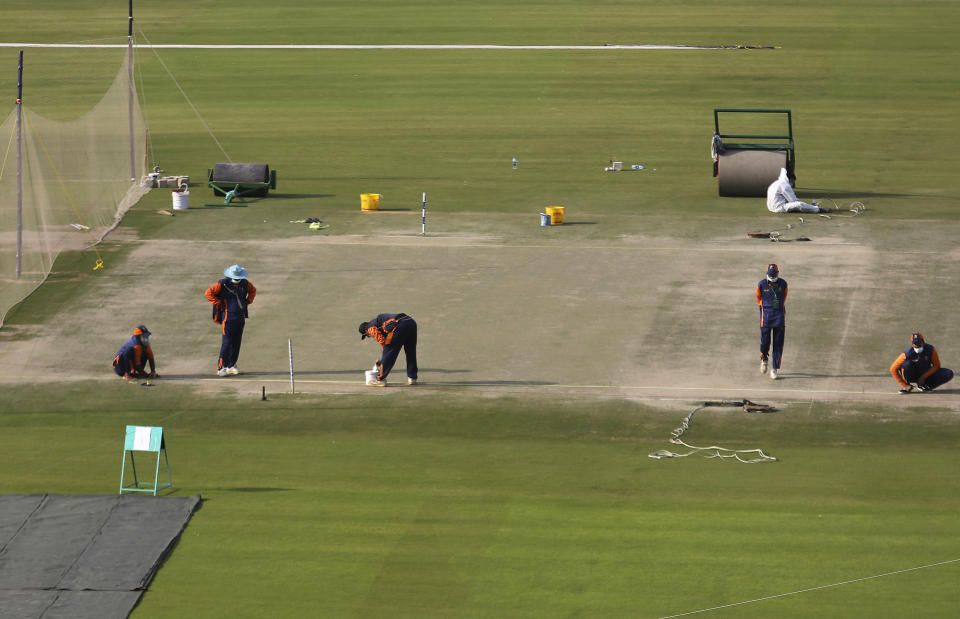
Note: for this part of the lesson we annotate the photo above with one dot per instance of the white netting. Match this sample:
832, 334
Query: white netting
76, 185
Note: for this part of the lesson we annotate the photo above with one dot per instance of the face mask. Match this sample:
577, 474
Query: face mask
918, 350
771, 278
235, 281
145, 340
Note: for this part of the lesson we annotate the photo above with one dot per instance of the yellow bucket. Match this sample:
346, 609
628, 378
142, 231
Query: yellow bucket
369, 201
556, 215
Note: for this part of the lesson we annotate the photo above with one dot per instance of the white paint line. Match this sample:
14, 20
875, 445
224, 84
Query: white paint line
836, 584
362, 47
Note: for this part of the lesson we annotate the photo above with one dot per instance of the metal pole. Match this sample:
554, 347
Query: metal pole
133, 156
19, 167
423, 218
290, 352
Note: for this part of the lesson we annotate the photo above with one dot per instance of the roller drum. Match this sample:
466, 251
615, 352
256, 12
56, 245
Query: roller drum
748, 173
241, 174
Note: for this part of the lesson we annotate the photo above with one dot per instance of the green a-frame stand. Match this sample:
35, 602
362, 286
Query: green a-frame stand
149, 439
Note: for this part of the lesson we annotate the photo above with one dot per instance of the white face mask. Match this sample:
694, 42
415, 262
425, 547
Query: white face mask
918, 350
771, 278
235, 281
145, 340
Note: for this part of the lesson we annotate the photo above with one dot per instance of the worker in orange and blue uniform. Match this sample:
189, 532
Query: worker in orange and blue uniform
772, 297
919, 365
393, 332
132, 358
230, 297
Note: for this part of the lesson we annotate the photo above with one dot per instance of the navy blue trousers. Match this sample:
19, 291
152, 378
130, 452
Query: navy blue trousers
911, 374
230, 343
776, 334
405, 337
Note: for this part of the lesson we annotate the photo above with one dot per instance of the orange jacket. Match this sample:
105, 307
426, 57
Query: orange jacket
898, 375
227, 302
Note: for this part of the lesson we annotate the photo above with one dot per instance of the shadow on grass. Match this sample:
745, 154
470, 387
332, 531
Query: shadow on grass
253, 489
813, 192
809, 375
300, 196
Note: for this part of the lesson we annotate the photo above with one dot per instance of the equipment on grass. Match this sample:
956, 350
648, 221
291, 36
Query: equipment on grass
717, 452
150, 439
748, 168
238, 180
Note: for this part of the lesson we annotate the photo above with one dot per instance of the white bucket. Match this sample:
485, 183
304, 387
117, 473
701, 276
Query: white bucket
181, 199
371, 376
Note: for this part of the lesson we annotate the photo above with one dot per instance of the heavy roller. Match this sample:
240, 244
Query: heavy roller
747, 168
236, 180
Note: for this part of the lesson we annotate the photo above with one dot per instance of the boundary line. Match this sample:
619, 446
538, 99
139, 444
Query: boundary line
836, 584
387, 46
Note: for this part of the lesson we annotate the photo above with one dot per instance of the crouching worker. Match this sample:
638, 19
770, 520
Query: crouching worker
919, 366
393, 332
782, 199
132, 358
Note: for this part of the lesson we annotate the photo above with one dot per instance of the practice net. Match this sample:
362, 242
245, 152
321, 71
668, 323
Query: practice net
76, 185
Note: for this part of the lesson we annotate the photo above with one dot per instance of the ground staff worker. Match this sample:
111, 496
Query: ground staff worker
920, 365
230, 297
772, 297
132, 358
393, 332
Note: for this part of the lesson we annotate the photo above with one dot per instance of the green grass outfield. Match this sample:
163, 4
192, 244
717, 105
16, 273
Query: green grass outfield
515, 481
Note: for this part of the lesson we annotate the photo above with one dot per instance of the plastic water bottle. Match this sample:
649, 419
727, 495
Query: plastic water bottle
514, 163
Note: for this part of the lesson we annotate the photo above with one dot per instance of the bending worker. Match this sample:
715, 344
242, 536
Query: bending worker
230, 297
393, 332
772, 297
132, 358
919, 365
782, 199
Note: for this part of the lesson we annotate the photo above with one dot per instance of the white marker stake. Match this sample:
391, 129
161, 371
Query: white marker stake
290, 352
423, 219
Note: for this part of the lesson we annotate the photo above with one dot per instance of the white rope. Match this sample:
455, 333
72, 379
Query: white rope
189, 102
836, 584
715, 451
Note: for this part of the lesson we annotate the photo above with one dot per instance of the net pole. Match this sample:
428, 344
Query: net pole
131, 92
19, 166
290, 354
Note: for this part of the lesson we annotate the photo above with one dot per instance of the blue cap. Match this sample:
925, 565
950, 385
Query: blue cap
141, 330
773, 269
235, 272
917, 339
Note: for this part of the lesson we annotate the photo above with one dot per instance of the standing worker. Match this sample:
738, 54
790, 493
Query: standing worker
230, 297
771, 297
132, 358
920, 365
393, 332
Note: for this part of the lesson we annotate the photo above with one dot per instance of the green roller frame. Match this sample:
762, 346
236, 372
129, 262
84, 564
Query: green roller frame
233, 190
771, 142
